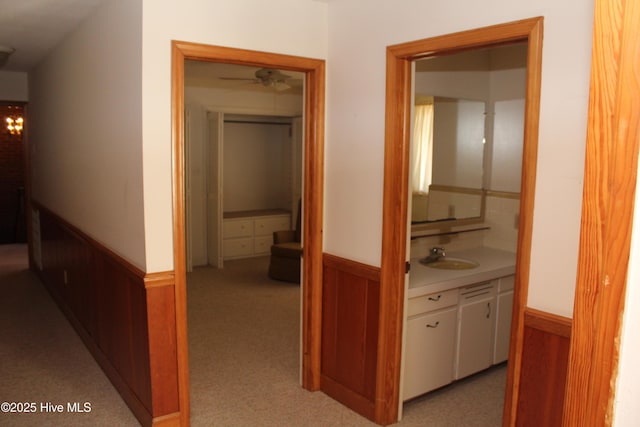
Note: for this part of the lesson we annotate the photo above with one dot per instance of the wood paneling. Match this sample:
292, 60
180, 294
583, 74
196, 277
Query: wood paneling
161, 315
611, 166
543, 371
126, 318
394, 231
350, 304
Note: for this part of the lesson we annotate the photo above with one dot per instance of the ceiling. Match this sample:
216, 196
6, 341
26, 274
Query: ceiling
34, 27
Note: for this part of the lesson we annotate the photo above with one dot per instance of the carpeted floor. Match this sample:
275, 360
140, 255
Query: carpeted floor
42, 359
243, 352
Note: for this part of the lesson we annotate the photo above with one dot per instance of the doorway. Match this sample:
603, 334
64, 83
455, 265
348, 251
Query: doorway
396, 192
12, 173
314, 71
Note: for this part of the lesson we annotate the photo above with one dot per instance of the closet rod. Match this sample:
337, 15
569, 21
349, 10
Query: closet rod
255, 122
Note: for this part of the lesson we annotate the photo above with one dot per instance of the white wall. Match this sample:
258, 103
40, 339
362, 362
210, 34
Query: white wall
85, 129
458, 132
13, 86
280, 26
244, 102
360, 31
256, 167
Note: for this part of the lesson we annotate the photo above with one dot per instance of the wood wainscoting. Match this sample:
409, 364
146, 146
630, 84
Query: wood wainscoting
543, 372
125, 317
350, 306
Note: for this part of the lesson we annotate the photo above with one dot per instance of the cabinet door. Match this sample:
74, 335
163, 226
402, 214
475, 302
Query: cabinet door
429, 352
475, 336
503, 327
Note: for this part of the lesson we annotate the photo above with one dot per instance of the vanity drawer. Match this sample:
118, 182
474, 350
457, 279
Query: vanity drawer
237, 228
432, 302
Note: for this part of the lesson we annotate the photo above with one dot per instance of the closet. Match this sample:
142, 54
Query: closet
243, 182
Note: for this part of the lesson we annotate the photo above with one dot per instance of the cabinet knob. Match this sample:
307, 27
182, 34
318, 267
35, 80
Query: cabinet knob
434, 325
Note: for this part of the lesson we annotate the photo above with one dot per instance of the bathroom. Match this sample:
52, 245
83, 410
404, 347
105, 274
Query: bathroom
465, 186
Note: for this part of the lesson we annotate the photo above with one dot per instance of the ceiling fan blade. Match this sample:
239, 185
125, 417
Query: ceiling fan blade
238, 78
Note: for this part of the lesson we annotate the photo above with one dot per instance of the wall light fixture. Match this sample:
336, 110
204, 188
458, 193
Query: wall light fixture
14, 124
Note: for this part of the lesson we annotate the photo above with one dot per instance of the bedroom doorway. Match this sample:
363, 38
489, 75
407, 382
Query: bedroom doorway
311, 221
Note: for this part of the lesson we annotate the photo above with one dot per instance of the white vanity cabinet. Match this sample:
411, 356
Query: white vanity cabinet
476, 325
430, 342
458, 321
504, 310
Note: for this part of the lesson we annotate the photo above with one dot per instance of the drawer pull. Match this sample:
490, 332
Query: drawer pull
436, 298
433, 326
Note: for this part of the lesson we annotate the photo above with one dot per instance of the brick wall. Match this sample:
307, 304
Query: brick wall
11, 180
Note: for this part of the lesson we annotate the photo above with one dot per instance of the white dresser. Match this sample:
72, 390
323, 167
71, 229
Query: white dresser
250, 233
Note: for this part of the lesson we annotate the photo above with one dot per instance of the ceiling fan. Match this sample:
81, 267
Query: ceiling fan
267, 77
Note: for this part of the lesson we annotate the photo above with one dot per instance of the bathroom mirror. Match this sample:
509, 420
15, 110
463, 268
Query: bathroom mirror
477, 104
447, 159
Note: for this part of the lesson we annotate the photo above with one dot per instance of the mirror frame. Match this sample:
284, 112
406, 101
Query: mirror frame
396, 192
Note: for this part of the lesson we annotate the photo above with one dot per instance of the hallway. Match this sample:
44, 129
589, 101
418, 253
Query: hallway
44, 361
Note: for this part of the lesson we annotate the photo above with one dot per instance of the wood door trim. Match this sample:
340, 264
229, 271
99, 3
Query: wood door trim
611, 168
313, 193
396, 191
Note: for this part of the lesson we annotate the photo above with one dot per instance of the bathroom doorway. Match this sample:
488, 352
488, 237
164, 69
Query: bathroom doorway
396, 190
466, 157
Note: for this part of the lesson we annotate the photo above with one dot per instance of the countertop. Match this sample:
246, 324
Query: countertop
255, 212
494, 263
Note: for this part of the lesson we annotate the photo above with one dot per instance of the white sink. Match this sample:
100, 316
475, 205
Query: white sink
451, 263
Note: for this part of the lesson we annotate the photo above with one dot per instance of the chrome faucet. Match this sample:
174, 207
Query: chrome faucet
435, 254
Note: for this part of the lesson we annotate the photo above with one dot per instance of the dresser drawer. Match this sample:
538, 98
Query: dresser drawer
237, 228
262, 245
432, 302
237, 247
266, 226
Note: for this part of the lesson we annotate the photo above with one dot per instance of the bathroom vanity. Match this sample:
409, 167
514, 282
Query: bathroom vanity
458, 320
